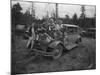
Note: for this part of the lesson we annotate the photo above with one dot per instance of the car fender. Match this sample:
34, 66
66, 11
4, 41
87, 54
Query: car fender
54, 44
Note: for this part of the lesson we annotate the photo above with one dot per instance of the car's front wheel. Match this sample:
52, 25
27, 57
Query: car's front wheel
58, 51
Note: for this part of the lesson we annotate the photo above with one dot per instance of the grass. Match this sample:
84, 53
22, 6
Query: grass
80, 58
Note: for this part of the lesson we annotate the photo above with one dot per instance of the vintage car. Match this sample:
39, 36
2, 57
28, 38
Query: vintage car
19, 30
54, 47
89, 32
72, 33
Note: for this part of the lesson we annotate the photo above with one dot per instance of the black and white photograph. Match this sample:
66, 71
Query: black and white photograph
52, 37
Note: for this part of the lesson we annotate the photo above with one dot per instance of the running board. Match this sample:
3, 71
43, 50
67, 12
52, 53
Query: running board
44, 53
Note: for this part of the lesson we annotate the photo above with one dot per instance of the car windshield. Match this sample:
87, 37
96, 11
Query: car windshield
72, 29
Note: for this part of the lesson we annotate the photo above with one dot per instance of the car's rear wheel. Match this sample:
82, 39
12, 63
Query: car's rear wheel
58, 51
78, 40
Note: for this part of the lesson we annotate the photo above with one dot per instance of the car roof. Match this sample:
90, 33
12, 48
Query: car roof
69, 25
92, 28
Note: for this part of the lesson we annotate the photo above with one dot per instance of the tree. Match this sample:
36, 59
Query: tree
53, 15
27, 18
82, 19
83, 12
75, 19
16, 14
67, 19
67, 16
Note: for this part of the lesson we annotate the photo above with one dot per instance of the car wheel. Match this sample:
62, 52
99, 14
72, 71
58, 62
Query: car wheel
58, 51
78, 40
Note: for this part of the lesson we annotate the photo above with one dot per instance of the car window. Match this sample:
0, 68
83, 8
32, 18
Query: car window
91, 30
72, 30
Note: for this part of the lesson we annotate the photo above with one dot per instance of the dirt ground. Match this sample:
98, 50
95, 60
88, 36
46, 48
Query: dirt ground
80, 58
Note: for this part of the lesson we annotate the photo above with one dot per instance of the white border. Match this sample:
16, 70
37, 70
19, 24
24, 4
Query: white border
5, 37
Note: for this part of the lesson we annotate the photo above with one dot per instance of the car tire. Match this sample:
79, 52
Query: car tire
78, 40
58, 51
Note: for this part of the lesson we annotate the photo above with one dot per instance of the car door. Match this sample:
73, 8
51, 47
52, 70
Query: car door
72, 35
